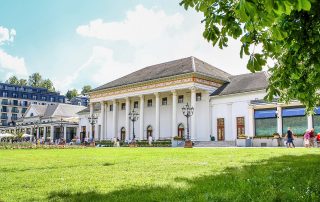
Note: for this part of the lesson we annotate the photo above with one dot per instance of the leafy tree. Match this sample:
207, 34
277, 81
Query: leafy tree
86, 89
71, 93
287, 30
13, 80
35, 80
47, 83
23, 82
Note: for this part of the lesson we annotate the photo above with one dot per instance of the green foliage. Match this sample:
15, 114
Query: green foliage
35, 80
71, 93
23, 82
287, 30
86, 89
13, 80
47, 83
157, 174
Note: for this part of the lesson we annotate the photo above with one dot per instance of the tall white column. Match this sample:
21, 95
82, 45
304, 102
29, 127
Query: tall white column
51, 133
193, 117
90, 114
279, 120
114, 115
310, 122
157, 129
251, 125
174, 128
103, 115
141, 117
38, 134
128, 134
65, 132
45, 133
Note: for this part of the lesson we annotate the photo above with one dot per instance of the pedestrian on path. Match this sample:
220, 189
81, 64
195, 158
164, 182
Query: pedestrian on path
312, 137
290, 138
307, 139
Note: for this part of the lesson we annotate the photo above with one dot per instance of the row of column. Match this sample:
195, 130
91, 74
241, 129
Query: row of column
156, 132
45, 132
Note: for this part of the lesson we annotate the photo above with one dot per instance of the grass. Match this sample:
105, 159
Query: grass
160, 174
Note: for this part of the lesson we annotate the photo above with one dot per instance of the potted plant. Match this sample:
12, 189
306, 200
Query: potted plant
212, 138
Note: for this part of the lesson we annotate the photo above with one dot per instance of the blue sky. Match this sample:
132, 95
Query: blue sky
95, 41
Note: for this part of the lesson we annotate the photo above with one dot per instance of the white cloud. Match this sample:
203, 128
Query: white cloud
6, 35
141, 26
153, 36
11, 64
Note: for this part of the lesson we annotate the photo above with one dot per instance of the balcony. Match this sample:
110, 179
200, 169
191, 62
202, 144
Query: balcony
4, 110
23, 110
5, 102
15, 103
14, 110
4, 116
14, 118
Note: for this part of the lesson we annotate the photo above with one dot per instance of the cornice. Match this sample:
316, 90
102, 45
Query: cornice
158, 83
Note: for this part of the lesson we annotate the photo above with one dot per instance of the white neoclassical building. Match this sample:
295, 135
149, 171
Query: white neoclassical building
158, 93
225, 106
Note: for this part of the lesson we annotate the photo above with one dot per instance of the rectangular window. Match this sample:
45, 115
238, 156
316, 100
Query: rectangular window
180, 99
220, 129
24, 96
136, 104
123, 106
240, 127
150, 103
110, 108
198, 96
164, 101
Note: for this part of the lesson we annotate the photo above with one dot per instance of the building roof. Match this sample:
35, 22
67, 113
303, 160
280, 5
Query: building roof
97, 108
168, 69
57, 110
243, 83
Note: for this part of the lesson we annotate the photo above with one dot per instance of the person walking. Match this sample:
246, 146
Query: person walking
307, 139
311, 137
318, 140
290, 138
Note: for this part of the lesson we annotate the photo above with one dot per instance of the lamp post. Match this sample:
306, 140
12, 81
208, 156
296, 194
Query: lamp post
93, 119
188, 112
61, 127
133, 116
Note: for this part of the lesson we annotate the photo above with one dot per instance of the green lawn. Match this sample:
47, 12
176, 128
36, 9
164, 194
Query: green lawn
160, 174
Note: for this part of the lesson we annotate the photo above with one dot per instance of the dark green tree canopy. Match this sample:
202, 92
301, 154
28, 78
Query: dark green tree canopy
13, 80
287, 30
35, 80
86, 89
71, 93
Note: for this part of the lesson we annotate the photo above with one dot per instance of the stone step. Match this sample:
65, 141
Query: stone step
215, 144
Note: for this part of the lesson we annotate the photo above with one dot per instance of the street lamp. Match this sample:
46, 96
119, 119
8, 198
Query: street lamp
133, 116
93, 119
188, 112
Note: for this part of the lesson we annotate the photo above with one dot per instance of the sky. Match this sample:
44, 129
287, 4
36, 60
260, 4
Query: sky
92, 42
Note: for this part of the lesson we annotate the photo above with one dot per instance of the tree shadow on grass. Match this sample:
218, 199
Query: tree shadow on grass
285, 178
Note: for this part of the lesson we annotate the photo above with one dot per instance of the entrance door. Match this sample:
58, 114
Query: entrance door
220, 129
149, 131
123, 134
181, 130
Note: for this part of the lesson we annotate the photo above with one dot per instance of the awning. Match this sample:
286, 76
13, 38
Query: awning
261, 114
317, 110
293, 112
